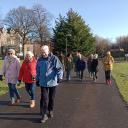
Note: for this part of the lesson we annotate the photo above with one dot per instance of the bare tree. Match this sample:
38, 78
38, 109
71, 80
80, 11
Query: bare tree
20, 19
102, 45
122, 43
41, 20
1, 21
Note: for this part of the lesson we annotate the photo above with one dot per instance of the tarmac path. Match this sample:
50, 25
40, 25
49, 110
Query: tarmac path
78, 104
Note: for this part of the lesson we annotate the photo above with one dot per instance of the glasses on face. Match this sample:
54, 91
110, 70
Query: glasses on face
9, 53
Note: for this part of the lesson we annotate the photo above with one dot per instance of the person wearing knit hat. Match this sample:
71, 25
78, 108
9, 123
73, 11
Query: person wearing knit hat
108, 66
28, 75
49, 75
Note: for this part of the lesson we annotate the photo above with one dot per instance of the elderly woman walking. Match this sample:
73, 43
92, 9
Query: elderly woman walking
28, 74
10, 70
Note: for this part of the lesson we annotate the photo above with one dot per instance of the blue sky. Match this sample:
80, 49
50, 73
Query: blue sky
106, 18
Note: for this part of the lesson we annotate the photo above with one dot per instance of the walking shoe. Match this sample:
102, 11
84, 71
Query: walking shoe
110, 82
50, 114
12, 102
107, 82
17, 101
32, 103
44, 119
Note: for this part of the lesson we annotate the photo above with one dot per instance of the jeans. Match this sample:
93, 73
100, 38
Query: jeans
47, 99
30, 88
13, 91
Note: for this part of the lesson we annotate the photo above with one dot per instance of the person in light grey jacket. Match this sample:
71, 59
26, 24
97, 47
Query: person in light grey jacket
10, 70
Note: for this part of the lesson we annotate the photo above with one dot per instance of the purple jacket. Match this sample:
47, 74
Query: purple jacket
11, 69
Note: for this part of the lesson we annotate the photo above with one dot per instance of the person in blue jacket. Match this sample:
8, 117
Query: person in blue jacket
49, 75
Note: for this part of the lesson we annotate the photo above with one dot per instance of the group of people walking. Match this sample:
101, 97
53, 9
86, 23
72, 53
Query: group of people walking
93, 67
92, 64
47, 72
74, 61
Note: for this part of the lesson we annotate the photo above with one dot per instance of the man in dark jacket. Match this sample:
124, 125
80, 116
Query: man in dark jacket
80, 66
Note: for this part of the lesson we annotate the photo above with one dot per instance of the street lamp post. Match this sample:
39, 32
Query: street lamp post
68, 35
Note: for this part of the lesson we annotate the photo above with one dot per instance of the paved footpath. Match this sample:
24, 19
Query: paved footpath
79, 104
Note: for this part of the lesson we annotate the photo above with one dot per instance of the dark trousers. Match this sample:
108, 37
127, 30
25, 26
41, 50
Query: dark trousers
108, 75
80, 74
30, 88
47, 99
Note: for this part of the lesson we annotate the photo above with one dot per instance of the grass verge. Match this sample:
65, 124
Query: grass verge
120, 74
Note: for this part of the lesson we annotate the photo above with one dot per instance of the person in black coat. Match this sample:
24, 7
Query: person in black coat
80, 66
94, 66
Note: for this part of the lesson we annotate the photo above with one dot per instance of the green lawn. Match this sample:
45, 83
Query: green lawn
120, 74
3, 86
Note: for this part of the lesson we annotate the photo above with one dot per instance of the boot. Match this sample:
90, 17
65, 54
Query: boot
107, 82
32, 103
110, 82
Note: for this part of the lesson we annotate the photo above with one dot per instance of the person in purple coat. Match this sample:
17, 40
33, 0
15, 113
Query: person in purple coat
10, 70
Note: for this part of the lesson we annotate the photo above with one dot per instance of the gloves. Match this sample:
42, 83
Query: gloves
19, 82
59, 80
1, 77
33, 78
37, 83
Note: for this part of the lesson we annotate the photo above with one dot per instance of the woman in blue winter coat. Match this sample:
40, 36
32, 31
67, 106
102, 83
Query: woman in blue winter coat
49, 74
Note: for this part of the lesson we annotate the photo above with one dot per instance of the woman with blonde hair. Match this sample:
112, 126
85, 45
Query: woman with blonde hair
108, 66
28, 75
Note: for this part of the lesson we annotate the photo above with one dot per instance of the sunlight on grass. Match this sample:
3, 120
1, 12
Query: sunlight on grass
120, 74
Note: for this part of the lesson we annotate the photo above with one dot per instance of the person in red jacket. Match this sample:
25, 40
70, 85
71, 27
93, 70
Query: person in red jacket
28, 74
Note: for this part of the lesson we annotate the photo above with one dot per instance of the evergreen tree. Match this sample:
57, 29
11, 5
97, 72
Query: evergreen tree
73, 30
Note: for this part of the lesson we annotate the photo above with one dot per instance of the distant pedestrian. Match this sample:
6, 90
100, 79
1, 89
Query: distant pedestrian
75, 58
10, 70
68, 66
80, 66
94, 66
28, 76
108, 66
89, 63
49, 75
